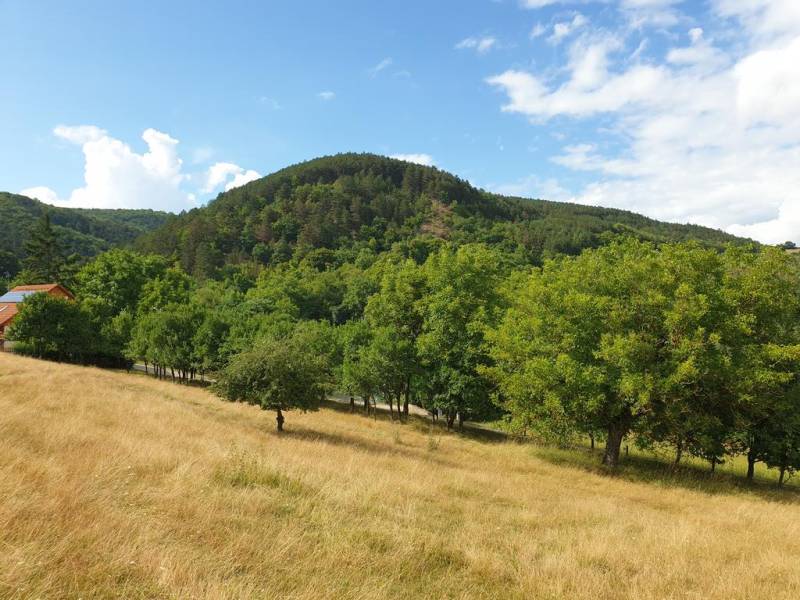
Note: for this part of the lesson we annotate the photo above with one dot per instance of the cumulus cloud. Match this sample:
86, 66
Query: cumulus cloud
227, 175
481, 45
708, 134
116, 176
420, 159
327, 95
40, 192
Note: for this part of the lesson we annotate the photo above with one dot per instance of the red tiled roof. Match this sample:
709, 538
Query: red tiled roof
7, 312
43, 287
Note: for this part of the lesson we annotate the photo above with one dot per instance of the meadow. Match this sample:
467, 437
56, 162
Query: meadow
119, 485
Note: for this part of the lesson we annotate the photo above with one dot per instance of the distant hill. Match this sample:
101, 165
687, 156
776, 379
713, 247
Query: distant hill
86, 232
355, 201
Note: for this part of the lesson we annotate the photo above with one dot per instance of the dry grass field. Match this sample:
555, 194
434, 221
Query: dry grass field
115, 485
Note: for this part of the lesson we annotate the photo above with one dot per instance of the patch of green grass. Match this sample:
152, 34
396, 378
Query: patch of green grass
248, 471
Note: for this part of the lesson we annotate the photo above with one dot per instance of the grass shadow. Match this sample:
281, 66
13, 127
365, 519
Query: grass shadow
652, 470
335, 439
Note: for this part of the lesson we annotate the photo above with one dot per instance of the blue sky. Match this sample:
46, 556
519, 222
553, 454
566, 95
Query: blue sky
685, 111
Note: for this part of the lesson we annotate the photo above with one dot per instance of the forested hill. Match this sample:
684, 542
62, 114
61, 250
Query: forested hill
349, 202
86, 232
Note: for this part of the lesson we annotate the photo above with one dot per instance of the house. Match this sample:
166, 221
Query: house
10, 300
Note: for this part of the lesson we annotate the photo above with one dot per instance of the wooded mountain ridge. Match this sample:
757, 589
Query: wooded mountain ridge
82, 231
350, 202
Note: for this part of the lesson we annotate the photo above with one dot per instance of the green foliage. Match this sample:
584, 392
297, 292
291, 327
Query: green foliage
51, 327
172, 286
681, 345
9, 264
82, 232
278, 375
319, 211
117, 278
462, 300
45, 259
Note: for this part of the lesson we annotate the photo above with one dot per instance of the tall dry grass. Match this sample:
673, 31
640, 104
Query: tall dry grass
115, 485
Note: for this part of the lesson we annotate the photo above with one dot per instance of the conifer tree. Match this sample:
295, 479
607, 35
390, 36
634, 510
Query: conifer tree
45, 255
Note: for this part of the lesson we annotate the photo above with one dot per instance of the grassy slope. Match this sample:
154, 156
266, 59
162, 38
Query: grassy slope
119, 485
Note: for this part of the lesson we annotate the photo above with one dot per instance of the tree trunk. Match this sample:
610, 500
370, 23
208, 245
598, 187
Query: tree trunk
591, 441
460, 421
391, 408
613, 443
751, 465
145, 367
279, 419
408, 395
451, 416
366, 404
678, 452
782, 474
352, 404
713, 463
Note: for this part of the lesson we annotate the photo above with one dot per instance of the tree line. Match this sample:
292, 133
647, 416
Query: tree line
675, 345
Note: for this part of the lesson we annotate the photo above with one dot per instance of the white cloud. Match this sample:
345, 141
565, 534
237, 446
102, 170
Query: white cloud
533, 187
564, 29
228, 174
538, 31
706, 135
45, 194
481, 45
538, 3
384, 64
764, 19
327, 95
80, 134
118, 177
655, 13
700, 52
420, 159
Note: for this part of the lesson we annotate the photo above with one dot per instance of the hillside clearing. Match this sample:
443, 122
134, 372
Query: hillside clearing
115, 485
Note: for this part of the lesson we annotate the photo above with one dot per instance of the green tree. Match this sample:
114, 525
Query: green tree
117, 278
357, 376
394, 313
764, 288
695, 407
9, 265
173, 286
52, 327
276, 375
463, 299
45, 257
580, 348
209, 342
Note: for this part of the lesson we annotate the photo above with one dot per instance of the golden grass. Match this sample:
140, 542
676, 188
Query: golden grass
115, 485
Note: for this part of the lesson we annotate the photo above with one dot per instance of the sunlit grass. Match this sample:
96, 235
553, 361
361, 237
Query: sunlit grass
115, 485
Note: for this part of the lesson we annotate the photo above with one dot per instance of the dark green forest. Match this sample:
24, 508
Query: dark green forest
82, 232
349, 203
